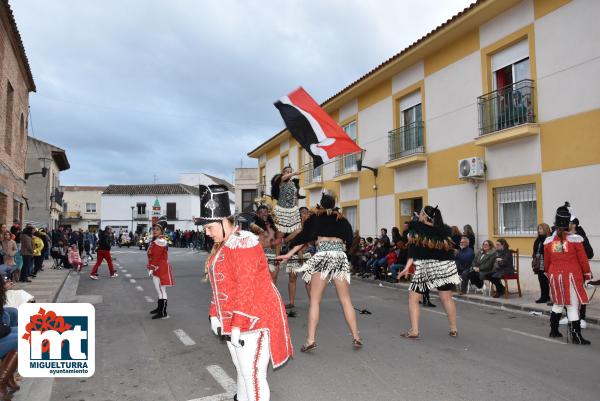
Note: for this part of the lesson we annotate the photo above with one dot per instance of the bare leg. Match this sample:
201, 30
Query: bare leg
274, 275
343, 292
449, 307
317, 288
292, 287
414, 311
307, 286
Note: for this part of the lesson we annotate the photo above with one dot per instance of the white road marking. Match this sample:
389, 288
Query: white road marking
139, 288
434, 311
533, 336
132, 280
127, 275
124, 270
148, 299
184, 338
224, 380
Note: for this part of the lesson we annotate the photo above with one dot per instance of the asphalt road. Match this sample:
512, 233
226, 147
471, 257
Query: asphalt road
498, 355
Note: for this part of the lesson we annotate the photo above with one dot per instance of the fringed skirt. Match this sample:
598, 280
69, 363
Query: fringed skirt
330, 260
431, 273
271, 258
287, 220
295, 262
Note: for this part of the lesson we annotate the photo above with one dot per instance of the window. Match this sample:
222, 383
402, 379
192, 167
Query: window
171, 211
515, 210
351, 215
285, 161
248, 196
349, 161
10, 93
90, 207
141, 208
22, 132
65, 207
511, 65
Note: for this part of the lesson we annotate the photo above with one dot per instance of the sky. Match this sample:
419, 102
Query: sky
140, 91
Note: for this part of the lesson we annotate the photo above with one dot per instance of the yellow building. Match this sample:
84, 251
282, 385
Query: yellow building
494, 116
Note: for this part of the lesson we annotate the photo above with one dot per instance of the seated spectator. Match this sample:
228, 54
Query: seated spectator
367, 255
483, 263
378, 259
464, 260
8, 345
503, 264
357, 259
395, 235
74, 258
401, 258
353, 250
9, 251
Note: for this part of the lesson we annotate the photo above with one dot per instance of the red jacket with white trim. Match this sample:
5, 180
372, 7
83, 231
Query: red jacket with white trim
244, 295
158, 261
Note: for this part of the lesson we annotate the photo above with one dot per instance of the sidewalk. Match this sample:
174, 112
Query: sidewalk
513, 302
46, 286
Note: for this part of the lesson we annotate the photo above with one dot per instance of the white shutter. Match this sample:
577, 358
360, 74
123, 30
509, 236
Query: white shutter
510, 55
411, 100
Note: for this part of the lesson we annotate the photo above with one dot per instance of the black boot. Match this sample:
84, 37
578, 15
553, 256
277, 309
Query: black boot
162, 313
576, 337
554, 319
155, 310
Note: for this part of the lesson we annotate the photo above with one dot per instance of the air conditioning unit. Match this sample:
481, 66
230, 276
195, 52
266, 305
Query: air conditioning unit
471, 168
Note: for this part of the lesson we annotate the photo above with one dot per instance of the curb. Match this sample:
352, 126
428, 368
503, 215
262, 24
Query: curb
476, 300
60, 288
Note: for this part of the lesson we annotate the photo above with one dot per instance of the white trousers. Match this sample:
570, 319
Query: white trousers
251, 362
573, 309
161, 290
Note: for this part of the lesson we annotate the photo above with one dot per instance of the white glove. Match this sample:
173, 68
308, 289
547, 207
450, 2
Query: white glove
150, 272
235, 337
215, 324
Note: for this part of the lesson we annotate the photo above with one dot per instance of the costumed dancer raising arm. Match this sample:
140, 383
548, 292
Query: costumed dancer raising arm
159, 267
431, 250
246, 306
333, 233
285, 190
567, 266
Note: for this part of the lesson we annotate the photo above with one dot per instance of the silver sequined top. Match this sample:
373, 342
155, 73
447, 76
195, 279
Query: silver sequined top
287, 195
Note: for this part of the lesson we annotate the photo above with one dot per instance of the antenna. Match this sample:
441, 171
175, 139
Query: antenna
154, 177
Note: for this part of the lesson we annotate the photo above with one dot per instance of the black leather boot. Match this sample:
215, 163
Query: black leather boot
554, 319
162, 313
576, 337
153, 311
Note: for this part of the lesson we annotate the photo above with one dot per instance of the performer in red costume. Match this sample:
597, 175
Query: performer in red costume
159, 267
567, 266
246, 305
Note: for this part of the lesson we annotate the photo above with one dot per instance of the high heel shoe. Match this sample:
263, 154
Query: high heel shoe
357, 343
309, 347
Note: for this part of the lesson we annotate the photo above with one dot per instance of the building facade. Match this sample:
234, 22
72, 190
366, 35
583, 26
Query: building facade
196, 179
131, 207
16, 82
82, 207
494, 116
246, 190
44, 193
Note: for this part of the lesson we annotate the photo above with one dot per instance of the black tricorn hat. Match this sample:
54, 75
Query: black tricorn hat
162, 223
214, 204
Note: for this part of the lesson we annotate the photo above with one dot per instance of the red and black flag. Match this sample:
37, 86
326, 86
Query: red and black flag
313, 128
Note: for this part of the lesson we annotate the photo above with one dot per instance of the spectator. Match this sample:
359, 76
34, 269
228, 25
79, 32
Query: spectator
483, 264
378, 259
401, 257
74, 258
537, 263
15, 230
456, 236
405, 231
38, 259
503, 265
8, 345
27, 253
9, 250
384, 237
464, 261
46, 241
395, 235
468, 232
104, 254
80, 241
353, 250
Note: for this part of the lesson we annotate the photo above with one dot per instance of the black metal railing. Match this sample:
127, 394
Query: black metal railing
506, 107
346, 164
406, 140
313, 175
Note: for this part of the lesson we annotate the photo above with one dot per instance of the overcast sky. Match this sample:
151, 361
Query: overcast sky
134, 88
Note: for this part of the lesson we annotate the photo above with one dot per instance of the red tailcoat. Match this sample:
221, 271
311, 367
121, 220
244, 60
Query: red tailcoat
244, 295
566, 264
158, 256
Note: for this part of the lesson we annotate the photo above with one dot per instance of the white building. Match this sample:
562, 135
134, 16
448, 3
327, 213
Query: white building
246, 189
196, 179
127, 207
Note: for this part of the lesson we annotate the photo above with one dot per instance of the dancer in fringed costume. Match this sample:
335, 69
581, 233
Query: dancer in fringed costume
431, 250
246, 306
284, 189
332, 233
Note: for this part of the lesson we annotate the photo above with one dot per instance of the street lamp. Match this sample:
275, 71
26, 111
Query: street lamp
44, 165
132, 207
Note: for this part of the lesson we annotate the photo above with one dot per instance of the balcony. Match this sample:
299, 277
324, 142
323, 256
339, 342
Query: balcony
70, 216
507, 114
141, 216
313, 177
405, 145
345, 168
